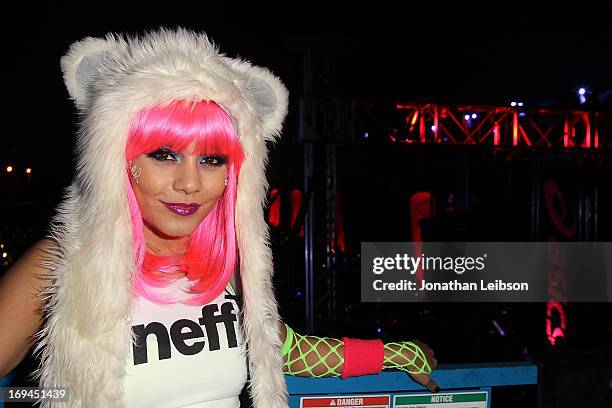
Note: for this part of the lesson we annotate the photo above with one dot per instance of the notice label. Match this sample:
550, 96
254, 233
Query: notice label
476, 399
347, 401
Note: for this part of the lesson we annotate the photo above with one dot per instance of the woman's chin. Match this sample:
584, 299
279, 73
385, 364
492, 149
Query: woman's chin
173, 232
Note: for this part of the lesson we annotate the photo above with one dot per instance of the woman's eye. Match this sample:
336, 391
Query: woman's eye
214, 161
163, 155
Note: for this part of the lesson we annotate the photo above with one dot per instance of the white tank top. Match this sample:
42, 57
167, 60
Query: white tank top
186, 356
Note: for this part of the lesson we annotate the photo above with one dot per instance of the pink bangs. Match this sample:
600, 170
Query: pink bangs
176, 125
211, 253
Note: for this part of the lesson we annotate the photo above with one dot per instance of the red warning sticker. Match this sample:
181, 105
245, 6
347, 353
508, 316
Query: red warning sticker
347, 401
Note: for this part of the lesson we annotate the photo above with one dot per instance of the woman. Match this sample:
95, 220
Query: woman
136, 290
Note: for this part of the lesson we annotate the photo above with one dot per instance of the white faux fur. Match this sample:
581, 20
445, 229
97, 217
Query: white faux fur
85, 340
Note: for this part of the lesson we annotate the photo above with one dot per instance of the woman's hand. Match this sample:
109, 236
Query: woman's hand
415, 358
424, 378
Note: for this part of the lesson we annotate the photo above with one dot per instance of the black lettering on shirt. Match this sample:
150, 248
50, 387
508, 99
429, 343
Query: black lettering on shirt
140, 347
178, 337
209, 320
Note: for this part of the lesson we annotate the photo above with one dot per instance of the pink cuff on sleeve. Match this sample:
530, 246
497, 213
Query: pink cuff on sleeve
362, 357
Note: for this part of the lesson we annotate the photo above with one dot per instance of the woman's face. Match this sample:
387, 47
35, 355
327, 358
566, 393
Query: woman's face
169, 182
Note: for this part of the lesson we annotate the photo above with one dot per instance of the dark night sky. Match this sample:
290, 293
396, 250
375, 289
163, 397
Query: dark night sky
467, 51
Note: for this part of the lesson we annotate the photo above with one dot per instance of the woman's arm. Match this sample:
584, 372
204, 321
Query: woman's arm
310, 356
20, 307
313, 357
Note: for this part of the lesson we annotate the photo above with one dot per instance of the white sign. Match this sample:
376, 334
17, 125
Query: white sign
347, 401
477, 399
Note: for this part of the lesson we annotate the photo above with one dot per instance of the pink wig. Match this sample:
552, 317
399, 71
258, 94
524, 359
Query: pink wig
211, 254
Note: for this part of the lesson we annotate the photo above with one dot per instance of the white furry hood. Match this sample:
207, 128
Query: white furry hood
85, 340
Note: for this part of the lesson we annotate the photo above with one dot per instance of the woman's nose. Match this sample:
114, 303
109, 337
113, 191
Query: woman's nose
188, 178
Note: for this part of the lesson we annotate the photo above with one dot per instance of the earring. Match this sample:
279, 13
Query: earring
135, 171
226, 178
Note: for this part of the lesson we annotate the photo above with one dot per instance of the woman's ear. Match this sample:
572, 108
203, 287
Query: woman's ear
85, 62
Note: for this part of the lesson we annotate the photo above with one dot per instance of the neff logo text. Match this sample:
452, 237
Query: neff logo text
209, 320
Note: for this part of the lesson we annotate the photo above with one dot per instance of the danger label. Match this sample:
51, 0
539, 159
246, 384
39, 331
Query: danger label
344, 401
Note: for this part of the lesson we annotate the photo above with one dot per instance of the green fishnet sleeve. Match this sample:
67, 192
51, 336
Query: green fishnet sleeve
311, 356
406, 356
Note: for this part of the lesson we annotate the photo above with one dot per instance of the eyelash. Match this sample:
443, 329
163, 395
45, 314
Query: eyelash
158, 154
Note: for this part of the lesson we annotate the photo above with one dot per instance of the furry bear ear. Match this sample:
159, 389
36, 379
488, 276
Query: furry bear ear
272, 99
269, 94
84, 62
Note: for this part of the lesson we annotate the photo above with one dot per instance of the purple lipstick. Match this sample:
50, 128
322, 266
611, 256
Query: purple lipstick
182, 208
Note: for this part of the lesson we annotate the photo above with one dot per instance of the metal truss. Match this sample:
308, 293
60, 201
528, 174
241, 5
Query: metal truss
320, 122
538, 128
320, 239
